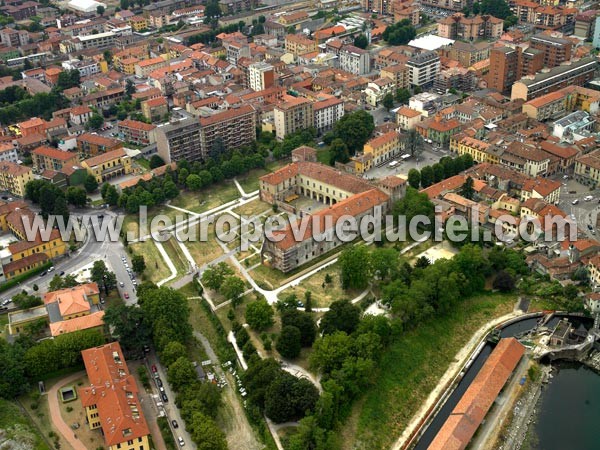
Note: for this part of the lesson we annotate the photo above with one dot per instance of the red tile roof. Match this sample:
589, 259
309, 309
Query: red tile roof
105, 157
54, 153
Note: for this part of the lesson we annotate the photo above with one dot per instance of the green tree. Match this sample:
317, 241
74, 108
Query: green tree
138, 263
172, 352
129, 325
193, 182
232, 289
60, 208
103, 277
259, 315
438, 172
342, 316
355, 129
206, 434
289, 342
90, 183
156, 161
413, 143
110, 194
427, 176
414, 178
414, 204
124, 4
338, 151
95, 122
100, 10
289, 398
25, 301
303, 322
402, 95
330, 352
213, 277
76, 196
400, 33
108, 57
467, 190
388, 101
181, 373
361, 41
13, 381
356, 268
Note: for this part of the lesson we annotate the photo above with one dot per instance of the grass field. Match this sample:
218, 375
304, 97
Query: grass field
323, 296
131, 221
156, 269
249, 182
207, 251
268, 277
16, 431
206, 199
179, 260
3, 325
412, 367
253, 208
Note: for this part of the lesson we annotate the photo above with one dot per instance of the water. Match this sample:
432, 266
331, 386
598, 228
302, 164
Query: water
569, 410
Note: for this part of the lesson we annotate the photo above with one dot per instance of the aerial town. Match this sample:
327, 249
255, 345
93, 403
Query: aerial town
291, 225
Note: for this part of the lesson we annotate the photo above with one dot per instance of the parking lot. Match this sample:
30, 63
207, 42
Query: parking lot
429, 156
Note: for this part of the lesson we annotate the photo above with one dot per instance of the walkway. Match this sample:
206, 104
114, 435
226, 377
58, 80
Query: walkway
168, 262
57, 420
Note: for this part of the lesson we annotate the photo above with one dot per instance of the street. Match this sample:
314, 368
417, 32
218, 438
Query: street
429, 156
584, 212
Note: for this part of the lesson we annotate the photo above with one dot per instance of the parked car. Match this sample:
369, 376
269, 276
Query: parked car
121, 284
160, 384
181, 441
126, 295
43, 274
588, 198
164, 397
154, 369
51, 269
174, 423
62, 273
574, 202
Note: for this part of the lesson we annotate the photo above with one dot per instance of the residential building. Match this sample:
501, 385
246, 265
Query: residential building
14, 177
398, 73
377, 6
111, 400
73, 309
547, 107
585, 24
327, 113
31, 127
576, 73
8, 153
293, 115
504, 68
89, 144
298, 44
261, 76
85, 67
472, 28
479, 150
136, 132
383, 148
556, 50
180, 139
355, 60
50, 158
155, 109
102, 99
236, 49
80, 115
587, 168
228, 130
97, 41
377, 89
423, 68
145, 67
108, 165
407, 118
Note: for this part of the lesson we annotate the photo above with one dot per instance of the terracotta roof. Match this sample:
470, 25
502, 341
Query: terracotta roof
54, 153
22, 263
33, 122
392, 181
92, 320
96, 139
383, 139
114, 392
72, 300
461, 425
13, 168
151, 62
408, 112
545, 99
6, 208
136, 125
105, 157
543, 186
226, 115
447, 185
78, 110
351, 206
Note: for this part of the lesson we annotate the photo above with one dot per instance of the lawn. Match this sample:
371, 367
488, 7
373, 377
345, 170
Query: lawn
323, 294
3, 325
267, 277
15, 426
207, 251
249, 182
253, 208
131, 221
411, 368
177, 257
323, 155
156, 268
208, 198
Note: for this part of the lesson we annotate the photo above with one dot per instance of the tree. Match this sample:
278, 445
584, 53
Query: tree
289, 398
400, 33
402, 95
108, 57
259, 315
303, 322
427, 177
95, 122
361, 41
130, 325
110, 194
90, 183
330, 352
76, 196
60, 208
206, 434
25, 301
414, 178
138, 264
288, 342
156, 161
466, 189
388, 101
13, 381
308, 435
232, 289
172, 352
68, 79
338, 151
356, 269
103, 277
438, 172
413, 204
504, 282
100, 10
342, 316
124, 4
413, 143
193, 182
355, 129
213, 277
181, 373
308, 301
129, 88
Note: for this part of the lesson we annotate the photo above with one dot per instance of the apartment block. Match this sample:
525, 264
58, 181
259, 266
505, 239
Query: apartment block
556, 50
229, 129
298, 44
327, 113
108, 165
355, 60
471, 28
293, 115
508, 64
111, 400
261, 76
383, 148
89, 144
180, 140
136, 132
9, 153
50, 158
587, 168
143, 68
407, 118
14, 177
423, 68
98, 41
398, 73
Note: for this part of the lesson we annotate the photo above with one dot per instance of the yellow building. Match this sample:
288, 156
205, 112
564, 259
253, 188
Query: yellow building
111, 401
480, 151
138, 23
14, 177
108, 165
383, 148
398, 73
298, 44
587, 168
19, 320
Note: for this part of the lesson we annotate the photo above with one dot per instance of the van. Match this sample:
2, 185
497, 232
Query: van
589, 198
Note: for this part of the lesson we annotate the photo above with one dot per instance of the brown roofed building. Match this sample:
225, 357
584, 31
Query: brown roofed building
89, 144
111, 400
53, 159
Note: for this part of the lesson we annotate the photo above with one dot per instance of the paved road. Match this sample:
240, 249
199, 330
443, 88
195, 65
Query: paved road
171, 410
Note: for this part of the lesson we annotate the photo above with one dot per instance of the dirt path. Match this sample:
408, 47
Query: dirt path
54, 407
232, 417
449, 375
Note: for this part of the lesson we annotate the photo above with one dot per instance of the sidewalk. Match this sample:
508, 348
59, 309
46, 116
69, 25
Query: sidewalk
64, 429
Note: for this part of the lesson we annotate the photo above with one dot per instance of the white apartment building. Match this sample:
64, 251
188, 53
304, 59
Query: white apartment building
423, 68
355, 60
327, 113
261, 76
85, 67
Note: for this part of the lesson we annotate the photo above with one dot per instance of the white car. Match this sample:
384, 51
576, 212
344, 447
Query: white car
587, 198
121, 284
181, 441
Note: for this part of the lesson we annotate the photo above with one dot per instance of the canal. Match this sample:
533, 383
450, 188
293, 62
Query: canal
508, 331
